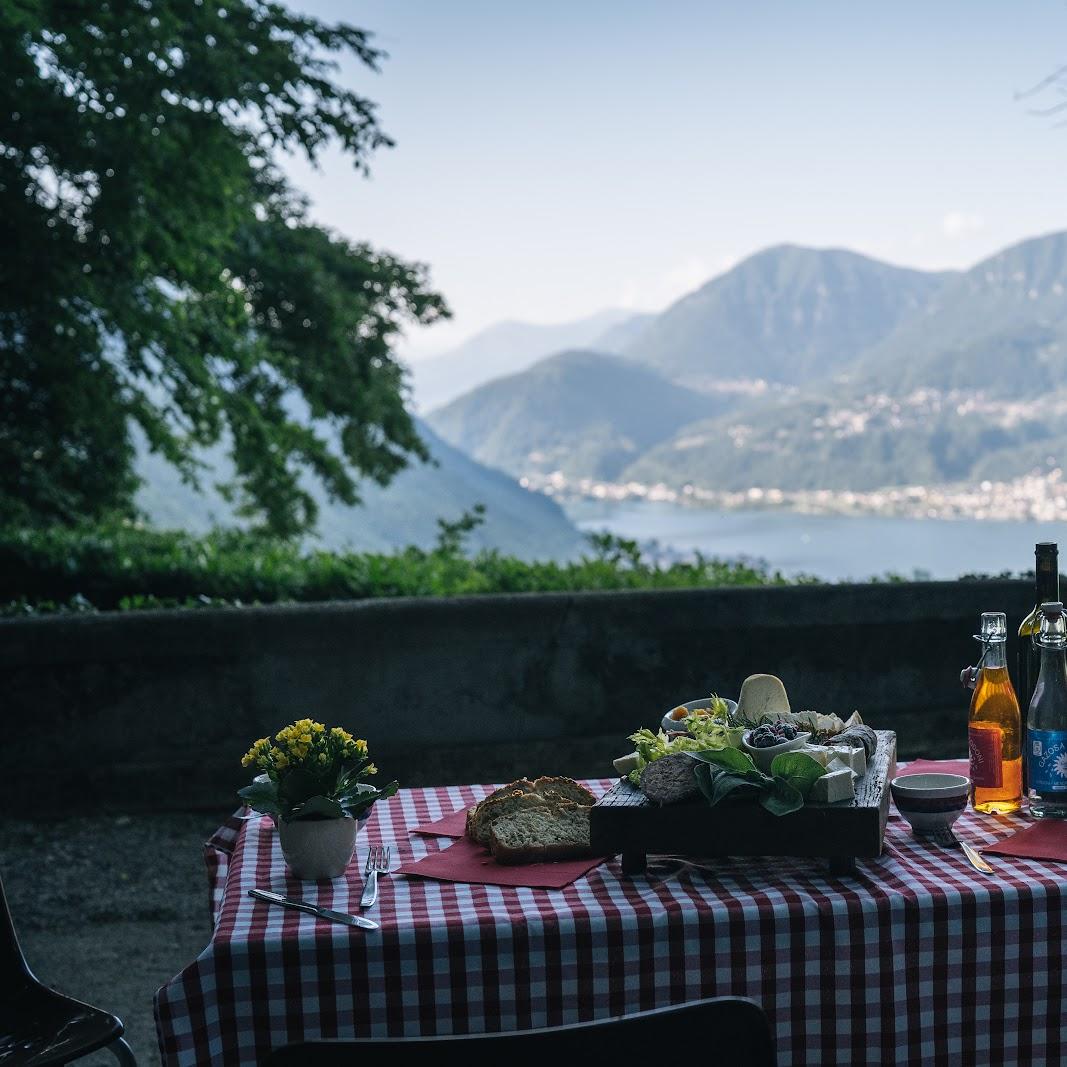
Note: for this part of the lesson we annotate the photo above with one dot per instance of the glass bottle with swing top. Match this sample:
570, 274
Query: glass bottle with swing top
995, 727
1046, 726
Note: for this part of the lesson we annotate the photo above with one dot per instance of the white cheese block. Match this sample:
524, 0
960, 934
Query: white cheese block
761, 694
820, 753
853, 758
625, 764
833, 786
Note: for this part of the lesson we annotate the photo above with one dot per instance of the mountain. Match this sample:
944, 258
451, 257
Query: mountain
832, 444
506, 348
518, 522
1001, 327
617, 338
973, 388
584, 413
786, 315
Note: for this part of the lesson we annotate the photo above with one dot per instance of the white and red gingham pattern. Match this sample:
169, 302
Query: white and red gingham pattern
917, 960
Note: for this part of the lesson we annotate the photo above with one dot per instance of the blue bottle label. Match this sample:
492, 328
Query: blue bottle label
1046, 761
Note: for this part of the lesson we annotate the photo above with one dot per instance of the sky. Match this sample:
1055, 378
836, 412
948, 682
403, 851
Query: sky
559, 157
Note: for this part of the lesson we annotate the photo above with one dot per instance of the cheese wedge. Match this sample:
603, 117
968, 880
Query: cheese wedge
853, 758
761, 695
820, 753
833, 786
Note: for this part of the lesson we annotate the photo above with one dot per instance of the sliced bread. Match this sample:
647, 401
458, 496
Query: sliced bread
520, 785
541, 835
481, 821
549, 790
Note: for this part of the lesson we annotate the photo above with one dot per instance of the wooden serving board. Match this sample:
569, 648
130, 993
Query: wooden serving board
625, 820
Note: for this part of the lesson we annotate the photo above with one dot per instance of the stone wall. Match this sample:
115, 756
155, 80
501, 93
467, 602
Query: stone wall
154, 709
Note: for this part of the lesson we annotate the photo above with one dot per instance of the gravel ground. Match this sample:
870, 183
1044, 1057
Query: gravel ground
108, 908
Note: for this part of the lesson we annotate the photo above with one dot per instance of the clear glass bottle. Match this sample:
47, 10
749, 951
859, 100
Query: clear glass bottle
1046, 721
995, 726
1047, 574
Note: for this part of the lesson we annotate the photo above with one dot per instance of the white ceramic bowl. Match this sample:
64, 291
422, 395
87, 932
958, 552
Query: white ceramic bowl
668, 723
930, 802
763, 757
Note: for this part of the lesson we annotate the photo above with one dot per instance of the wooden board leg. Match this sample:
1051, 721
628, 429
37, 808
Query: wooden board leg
634, 863
843, 865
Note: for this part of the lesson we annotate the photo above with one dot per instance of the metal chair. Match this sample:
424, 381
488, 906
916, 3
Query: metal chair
39, 1026
729, 1031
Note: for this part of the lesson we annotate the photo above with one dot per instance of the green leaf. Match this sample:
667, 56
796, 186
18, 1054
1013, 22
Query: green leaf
316, 808
727, 784
780, 798
297, 785
729, 759
798, 769
361, 796
261, 797
705, 777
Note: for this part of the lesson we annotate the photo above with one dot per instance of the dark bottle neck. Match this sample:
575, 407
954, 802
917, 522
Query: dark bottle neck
1048, 576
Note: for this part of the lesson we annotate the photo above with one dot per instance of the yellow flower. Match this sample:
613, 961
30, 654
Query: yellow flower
256, 752
370, 769
281, 761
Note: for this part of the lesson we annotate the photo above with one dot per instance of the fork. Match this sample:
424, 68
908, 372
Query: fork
949, 840
377, 863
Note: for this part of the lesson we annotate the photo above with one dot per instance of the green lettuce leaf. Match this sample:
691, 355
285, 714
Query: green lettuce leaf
798, 769
781, 798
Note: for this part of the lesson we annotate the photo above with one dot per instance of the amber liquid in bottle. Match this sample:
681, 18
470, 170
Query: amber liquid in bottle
995, 732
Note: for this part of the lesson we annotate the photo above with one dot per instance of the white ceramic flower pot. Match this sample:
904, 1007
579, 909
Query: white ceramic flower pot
318, 848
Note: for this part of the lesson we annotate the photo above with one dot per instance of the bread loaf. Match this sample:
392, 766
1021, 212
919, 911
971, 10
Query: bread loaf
541, 835
670, 779
480, 821
544, 792
520, 785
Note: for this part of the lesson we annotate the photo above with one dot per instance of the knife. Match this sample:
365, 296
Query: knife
314, 909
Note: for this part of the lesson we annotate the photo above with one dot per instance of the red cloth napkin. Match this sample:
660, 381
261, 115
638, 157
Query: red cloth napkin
938, 766
454, 825
1046, 839
464, 861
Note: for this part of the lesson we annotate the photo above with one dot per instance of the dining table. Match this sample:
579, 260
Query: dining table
915, 958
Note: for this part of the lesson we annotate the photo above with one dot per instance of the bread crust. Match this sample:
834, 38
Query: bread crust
567, 788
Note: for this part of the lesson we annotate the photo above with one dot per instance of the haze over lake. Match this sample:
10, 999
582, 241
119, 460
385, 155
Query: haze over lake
831, 547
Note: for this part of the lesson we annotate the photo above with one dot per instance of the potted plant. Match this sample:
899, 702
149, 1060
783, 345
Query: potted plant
311, 784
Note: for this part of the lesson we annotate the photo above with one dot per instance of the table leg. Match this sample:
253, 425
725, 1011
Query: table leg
634, 863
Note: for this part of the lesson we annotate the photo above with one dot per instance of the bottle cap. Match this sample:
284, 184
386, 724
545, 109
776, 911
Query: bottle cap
994, 627
1053, 629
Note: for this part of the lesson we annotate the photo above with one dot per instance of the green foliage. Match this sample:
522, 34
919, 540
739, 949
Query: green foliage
156, 269
730, 772
124, 567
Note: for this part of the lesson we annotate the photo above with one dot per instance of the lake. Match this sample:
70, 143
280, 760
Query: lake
833, 547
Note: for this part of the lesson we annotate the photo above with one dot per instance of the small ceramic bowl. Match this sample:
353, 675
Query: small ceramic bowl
764, 757
693, 705
930, 802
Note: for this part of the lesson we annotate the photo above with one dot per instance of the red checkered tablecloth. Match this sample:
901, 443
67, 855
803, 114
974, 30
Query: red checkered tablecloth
916, 960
